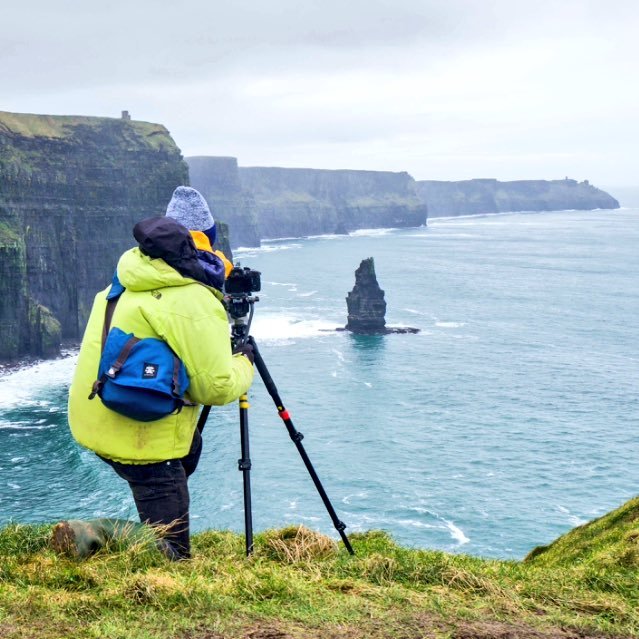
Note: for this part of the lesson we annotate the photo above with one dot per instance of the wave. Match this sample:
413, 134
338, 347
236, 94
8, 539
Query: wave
250, 251
450, 324
21, 388
456, 532
372, 232
283, 327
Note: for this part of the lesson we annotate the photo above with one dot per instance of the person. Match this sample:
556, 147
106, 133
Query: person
170, 289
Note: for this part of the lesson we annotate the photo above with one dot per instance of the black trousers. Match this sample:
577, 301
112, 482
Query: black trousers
161, 495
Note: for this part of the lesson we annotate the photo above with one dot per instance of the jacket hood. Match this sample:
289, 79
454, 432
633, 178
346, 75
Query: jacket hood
139, 272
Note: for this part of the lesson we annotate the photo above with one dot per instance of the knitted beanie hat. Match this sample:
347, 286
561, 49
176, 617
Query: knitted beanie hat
189, 208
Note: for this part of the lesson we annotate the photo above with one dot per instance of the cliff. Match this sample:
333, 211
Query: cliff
71, 189
474, 197
218, 180
298, 202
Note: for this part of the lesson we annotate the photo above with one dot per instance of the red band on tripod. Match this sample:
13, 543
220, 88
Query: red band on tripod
284, 414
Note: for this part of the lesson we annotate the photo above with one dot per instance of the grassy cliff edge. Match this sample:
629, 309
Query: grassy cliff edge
299, 584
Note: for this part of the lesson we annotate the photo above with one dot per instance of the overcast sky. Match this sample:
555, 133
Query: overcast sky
443, 89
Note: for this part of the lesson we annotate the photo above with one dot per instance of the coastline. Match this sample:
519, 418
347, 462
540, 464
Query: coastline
7, 367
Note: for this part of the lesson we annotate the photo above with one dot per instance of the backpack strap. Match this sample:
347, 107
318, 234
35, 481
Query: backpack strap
108, 317
176, 384
106, 327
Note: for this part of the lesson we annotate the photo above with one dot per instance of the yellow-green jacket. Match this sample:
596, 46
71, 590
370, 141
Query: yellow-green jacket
158, 302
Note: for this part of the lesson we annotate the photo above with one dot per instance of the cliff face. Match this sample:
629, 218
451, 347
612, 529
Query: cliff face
472, 197
297, 202
71, 189
218, 180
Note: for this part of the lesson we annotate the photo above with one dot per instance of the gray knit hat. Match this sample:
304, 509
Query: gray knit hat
189, 208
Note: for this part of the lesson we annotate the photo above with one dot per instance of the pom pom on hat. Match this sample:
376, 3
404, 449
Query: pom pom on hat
189, 208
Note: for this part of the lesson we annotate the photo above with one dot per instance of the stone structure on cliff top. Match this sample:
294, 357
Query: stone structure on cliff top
71, 190
366, 304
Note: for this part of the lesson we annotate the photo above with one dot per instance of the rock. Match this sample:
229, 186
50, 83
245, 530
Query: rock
341, 229
365, 303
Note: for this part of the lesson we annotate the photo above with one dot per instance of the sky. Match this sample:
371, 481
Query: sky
443, 89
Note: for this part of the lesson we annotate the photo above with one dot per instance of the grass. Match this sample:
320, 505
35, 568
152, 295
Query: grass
301, 584
30, 125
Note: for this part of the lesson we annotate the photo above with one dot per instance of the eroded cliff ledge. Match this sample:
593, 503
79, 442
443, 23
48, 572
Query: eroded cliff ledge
71, 189
476, 197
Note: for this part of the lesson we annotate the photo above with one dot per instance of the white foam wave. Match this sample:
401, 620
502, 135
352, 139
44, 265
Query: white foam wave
414, 311
250, 251
19, 388
450, 324
279, 327
456, 532
372, 232
340, 355
415, 523
309, 294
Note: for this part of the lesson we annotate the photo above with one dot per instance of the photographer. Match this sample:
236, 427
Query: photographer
168, 288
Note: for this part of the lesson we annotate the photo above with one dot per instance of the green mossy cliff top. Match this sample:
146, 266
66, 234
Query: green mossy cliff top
299, 584
28, 125
612, 541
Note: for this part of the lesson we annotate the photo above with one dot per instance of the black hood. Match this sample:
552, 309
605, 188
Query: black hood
163, 237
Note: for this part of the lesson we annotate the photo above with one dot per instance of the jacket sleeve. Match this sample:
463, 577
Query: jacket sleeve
197, 330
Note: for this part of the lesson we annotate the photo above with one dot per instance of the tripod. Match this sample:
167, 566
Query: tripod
240, 337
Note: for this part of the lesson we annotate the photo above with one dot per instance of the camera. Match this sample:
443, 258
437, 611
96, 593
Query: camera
242, 281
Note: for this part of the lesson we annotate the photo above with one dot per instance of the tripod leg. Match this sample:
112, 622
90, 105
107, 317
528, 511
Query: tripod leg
244, 464
297, 437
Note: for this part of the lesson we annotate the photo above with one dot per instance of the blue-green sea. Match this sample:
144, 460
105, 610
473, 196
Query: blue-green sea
510, 418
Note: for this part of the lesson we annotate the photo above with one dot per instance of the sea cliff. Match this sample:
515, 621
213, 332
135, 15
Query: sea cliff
71, 189
218, 180
299, 202
475, 197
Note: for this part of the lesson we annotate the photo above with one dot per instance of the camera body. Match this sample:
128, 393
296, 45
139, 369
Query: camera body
242, 281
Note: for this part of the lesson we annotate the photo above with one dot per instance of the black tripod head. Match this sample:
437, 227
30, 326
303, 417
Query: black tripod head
239, 301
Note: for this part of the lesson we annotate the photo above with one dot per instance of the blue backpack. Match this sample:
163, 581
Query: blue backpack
142, 379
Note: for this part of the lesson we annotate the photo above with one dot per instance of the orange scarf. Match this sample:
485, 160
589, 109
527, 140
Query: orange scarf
202, 243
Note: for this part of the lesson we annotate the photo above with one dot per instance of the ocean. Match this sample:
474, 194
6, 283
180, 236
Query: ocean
511, 417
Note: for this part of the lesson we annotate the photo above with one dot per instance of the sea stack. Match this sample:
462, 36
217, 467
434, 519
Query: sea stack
365, 303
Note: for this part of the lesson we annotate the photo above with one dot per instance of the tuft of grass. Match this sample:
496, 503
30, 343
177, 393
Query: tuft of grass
297, 543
